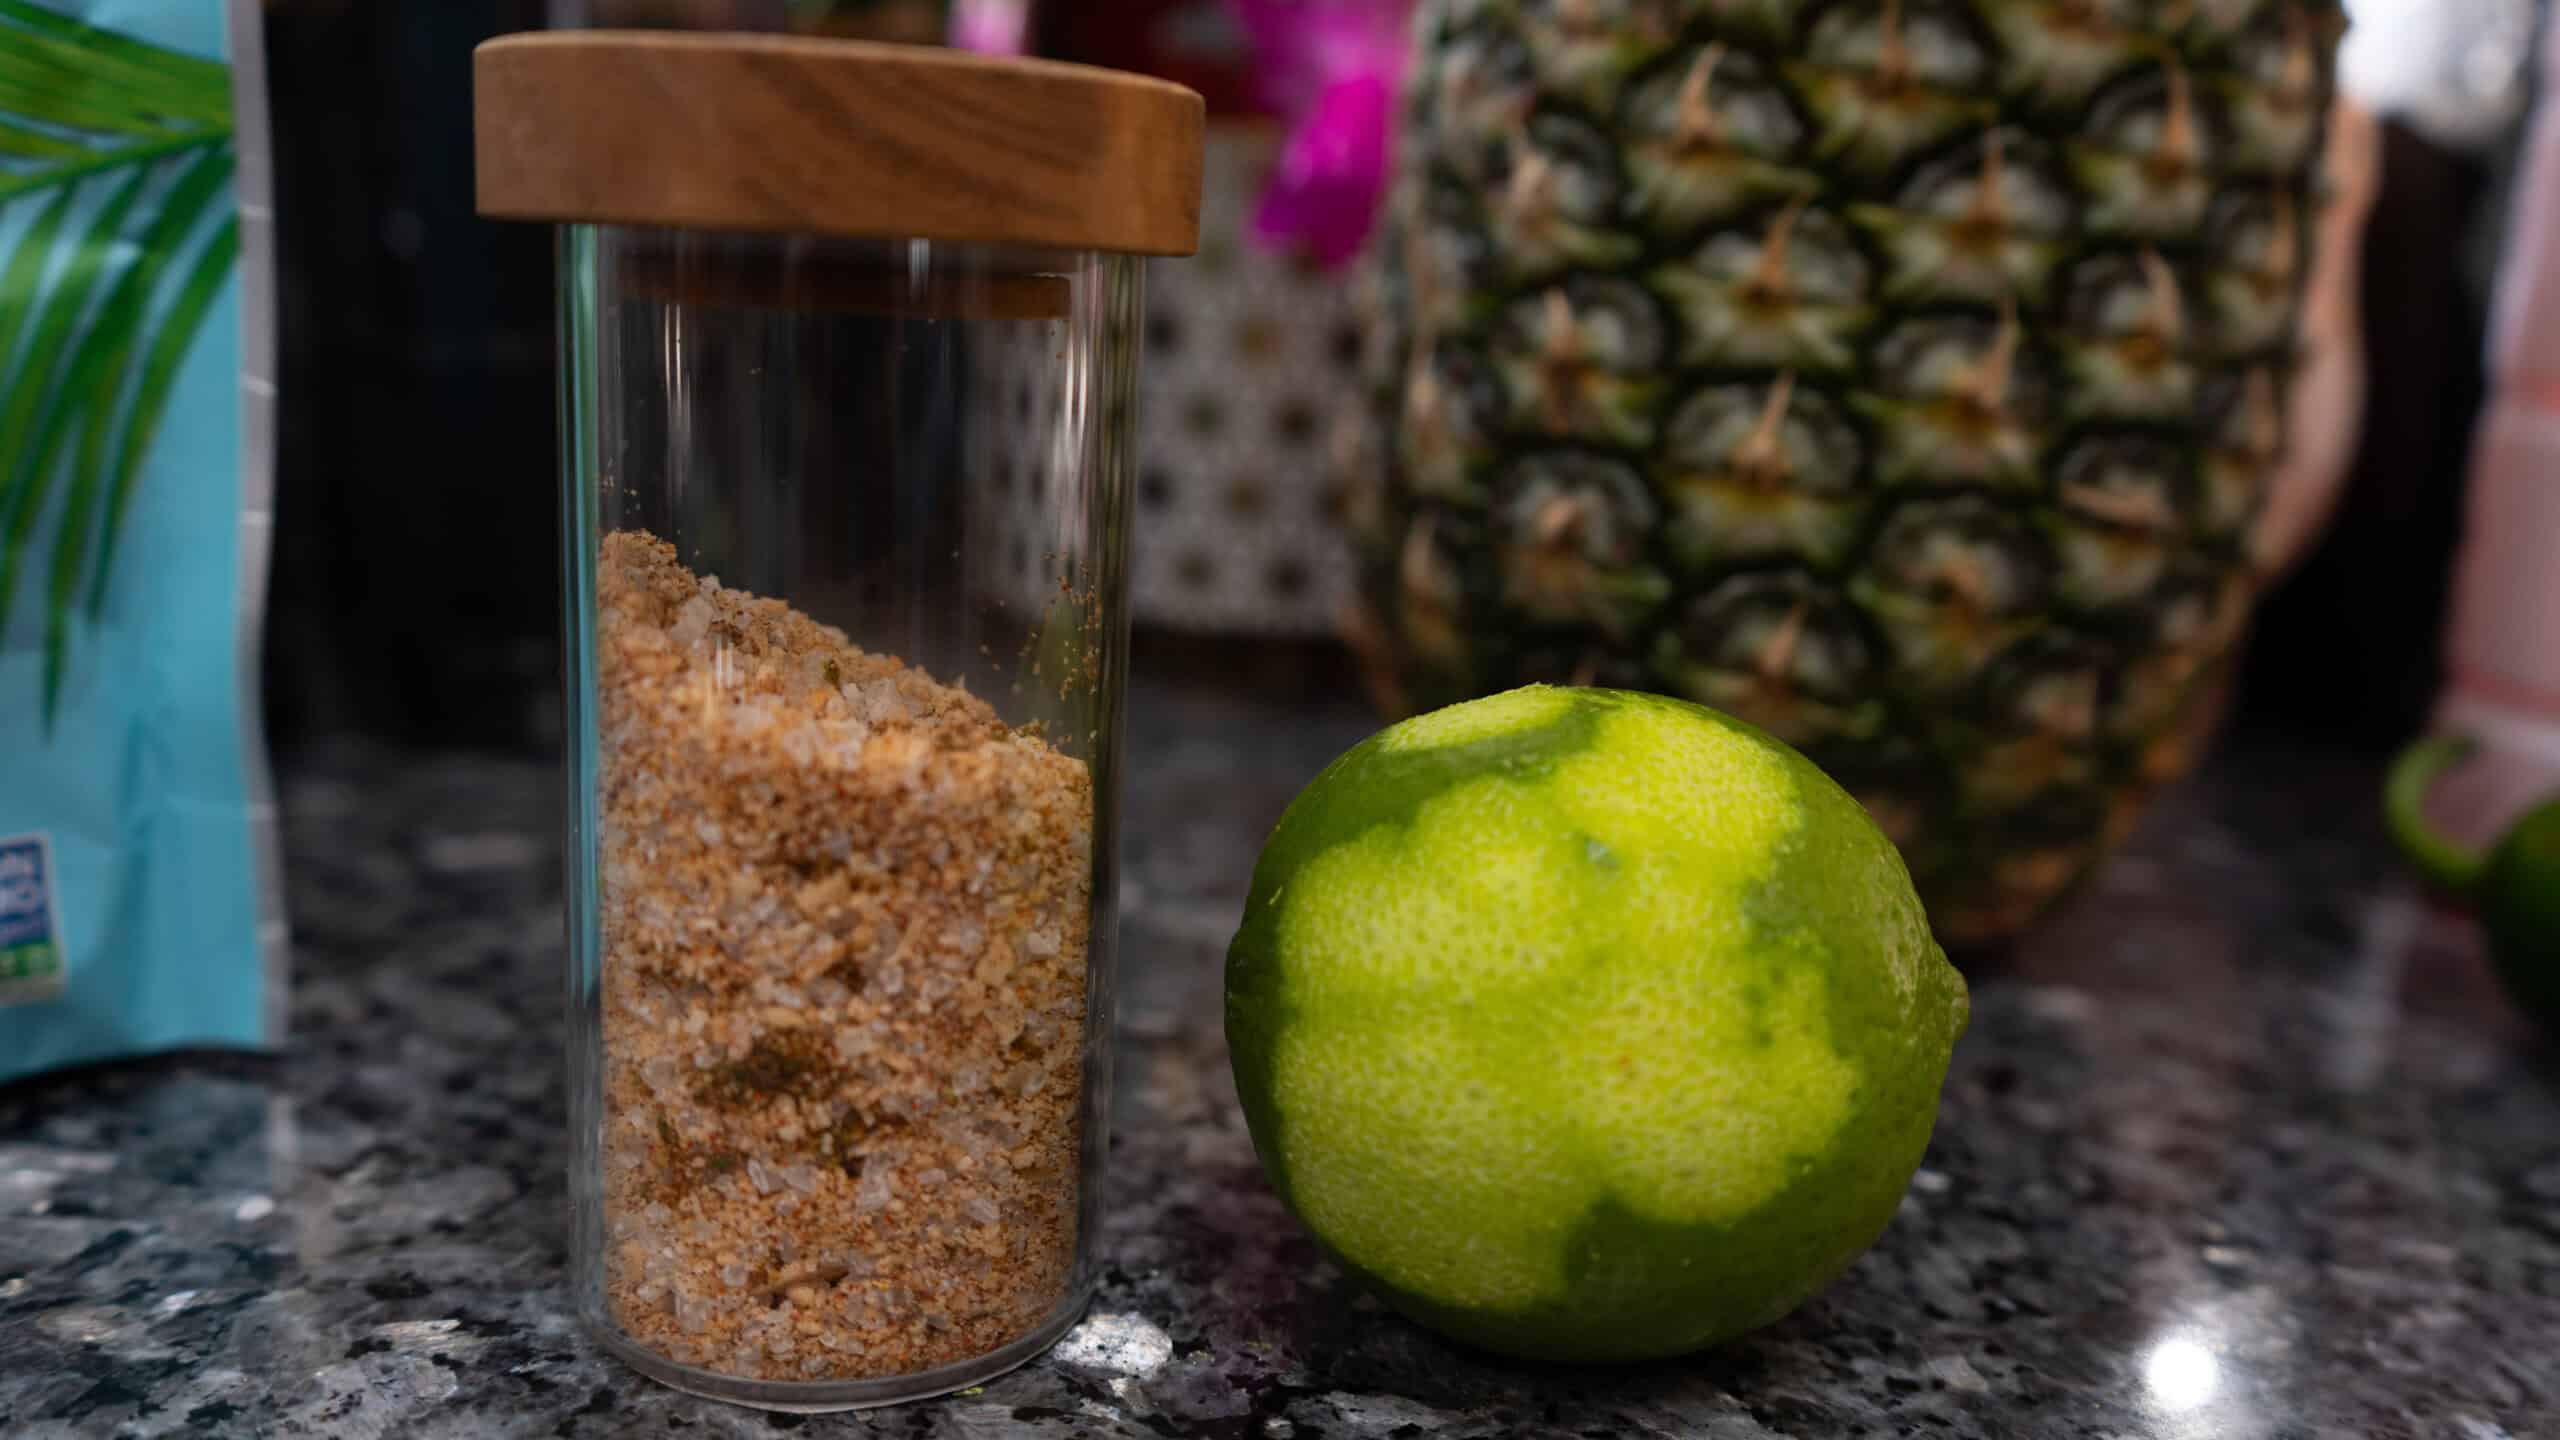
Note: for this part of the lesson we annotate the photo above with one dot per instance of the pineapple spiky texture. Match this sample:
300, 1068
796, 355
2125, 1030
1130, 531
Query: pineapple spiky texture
1900, 376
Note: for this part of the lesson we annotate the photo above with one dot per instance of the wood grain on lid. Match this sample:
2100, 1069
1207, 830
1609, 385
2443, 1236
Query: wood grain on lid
833, 137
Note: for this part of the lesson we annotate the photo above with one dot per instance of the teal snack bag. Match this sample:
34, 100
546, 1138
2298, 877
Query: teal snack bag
140, 898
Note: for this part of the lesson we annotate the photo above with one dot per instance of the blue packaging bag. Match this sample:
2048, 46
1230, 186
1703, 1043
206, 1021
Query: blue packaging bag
140, 893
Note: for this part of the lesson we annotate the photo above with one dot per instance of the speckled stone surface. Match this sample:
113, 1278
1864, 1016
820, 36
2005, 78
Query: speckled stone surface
2246, 1146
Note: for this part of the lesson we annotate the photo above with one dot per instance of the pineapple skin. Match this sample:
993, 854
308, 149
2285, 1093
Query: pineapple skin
1901, 378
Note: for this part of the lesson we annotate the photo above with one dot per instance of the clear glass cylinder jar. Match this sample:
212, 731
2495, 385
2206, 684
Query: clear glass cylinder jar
846, 526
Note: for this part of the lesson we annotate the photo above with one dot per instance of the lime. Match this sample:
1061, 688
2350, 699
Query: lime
2514, 888
1587, 1025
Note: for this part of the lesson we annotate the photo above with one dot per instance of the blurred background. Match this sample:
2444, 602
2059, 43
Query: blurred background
415, 591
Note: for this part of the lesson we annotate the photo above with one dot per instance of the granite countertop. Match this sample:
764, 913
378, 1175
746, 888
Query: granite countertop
2246, 1146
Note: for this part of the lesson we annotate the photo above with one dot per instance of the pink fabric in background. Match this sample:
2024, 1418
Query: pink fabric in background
1333, 67
2524, 334
2506, 626
990, 27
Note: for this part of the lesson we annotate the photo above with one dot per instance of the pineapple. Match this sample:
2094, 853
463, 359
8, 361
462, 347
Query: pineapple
1898, 375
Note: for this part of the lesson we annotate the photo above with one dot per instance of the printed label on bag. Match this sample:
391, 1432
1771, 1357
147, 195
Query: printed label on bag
31, 958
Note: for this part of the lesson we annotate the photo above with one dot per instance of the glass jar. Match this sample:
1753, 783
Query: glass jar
849, 341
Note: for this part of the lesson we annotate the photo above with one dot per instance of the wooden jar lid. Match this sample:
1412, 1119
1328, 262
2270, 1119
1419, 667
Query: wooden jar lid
833, 137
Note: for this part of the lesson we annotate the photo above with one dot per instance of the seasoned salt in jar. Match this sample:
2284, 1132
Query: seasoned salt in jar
842, 771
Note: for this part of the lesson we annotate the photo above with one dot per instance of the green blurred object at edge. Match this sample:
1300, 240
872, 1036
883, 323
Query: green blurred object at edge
2514, 888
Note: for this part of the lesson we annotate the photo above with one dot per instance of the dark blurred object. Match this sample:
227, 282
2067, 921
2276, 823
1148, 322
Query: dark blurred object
676, 14
912, 22
416, 554
917, 22
2352, 646
1190, 42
